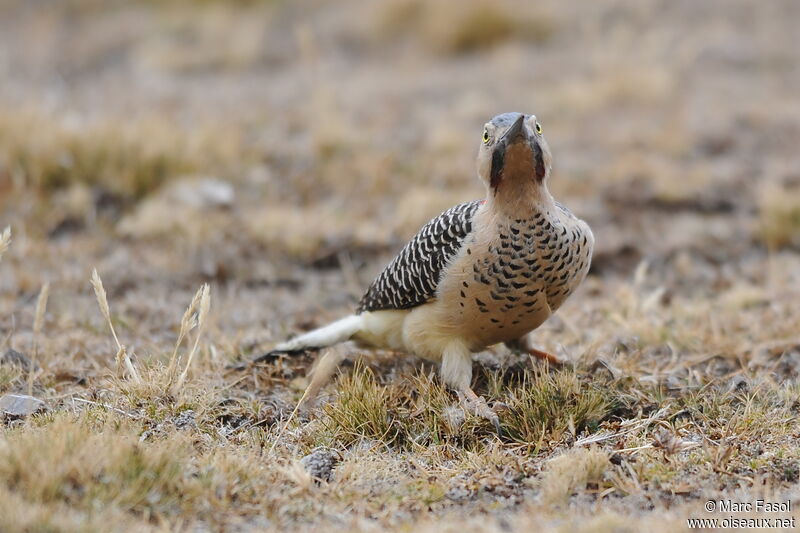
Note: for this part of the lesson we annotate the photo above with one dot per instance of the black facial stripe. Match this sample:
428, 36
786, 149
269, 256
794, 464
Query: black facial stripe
539, 158
498, 158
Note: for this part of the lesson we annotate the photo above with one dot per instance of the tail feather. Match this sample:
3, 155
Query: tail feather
340, 331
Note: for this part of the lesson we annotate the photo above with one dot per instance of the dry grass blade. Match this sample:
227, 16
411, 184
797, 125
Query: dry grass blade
289, 420
188, 323
204, 306
38, 323
5, 240
102, 302
323, 371
41, 309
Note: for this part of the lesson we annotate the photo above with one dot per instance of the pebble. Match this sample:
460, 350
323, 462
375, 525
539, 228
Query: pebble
13, 357
20, 405
320, 463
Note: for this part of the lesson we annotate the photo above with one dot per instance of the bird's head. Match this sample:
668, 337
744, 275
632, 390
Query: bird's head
514, 159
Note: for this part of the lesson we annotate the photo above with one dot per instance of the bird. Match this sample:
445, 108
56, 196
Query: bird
482, 273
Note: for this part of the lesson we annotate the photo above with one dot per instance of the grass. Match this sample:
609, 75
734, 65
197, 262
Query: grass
779, 217
457, 28
86, 460
151, 451
571, 472
362, 411
128, 160
544, 406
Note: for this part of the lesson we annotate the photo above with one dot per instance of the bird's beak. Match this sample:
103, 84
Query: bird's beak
517, 132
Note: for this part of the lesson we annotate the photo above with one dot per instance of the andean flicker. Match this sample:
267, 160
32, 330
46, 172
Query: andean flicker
481, 273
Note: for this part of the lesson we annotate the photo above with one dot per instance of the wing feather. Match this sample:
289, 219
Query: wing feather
412, 277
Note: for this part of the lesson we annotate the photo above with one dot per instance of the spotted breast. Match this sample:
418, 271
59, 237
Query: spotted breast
512, 277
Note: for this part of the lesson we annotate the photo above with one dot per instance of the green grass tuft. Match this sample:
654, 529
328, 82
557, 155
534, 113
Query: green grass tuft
543, 405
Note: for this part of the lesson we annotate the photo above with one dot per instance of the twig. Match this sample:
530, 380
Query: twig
597, 437
635, 449
109, 407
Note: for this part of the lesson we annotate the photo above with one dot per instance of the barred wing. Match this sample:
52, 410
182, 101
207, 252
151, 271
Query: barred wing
412, 277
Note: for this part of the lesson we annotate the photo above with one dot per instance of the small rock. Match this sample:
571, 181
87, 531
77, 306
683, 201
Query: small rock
201, 193
738, 383
13, 357
461, 488
320, 463
185, 420
601, 365
19, 405
176, 207
458, 493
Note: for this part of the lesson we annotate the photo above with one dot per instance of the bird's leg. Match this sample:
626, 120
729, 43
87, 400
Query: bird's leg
477, 405
545, 356
457, 373
522, 346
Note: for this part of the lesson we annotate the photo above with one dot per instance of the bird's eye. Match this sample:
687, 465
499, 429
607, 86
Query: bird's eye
538, 128
486, 137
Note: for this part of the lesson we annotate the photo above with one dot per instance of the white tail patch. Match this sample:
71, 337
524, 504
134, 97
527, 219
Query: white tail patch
340, 331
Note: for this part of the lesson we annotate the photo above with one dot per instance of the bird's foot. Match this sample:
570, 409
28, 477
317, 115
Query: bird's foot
477, 405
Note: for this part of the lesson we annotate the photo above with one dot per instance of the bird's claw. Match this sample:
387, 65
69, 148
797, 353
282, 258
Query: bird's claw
477, 405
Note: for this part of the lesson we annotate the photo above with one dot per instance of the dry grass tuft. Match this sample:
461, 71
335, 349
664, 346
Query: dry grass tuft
571, 471
188, 323
128, 159
452, 28
363, 409
410, 415
540, 407
193, 317
779, 217
81, 463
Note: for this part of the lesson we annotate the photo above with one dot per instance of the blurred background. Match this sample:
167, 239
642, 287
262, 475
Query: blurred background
284, 151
